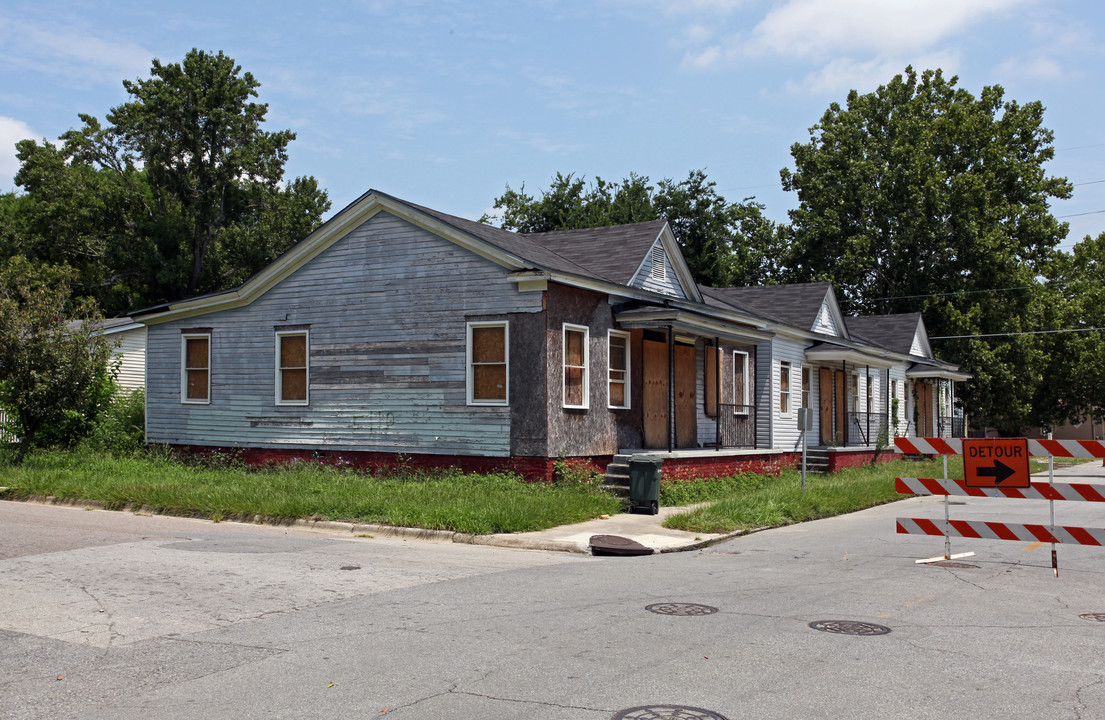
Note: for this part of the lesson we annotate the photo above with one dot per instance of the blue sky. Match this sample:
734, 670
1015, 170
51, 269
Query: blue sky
445, 103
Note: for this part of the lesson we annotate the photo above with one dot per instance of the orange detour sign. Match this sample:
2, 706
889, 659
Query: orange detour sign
996, 463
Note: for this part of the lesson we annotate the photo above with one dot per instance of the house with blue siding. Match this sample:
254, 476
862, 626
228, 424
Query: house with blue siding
399, 334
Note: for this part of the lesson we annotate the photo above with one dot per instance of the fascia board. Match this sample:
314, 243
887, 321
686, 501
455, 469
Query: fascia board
705, 327
847, 354
298, 255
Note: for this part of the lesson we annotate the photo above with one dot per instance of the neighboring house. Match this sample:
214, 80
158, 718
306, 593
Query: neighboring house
396, 333
128, 339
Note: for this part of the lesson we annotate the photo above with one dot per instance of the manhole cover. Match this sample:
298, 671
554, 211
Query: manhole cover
1098, 617
849, 627
681, 609
953, 564
667, 712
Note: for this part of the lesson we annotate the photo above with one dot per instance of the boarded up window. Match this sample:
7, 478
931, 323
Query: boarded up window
488, 365
293, 370
619, 370
197, 370
575, 366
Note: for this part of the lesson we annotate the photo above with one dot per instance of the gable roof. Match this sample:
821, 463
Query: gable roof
797, 305
611, 249
896, 332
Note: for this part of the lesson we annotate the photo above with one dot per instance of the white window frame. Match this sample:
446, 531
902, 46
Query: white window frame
184, 338
853, 392
586, 379
470, 380
742, 365
610, 369
278, 370
789, 392
806, 375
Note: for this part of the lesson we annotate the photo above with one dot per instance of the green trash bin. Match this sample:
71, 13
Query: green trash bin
644, 483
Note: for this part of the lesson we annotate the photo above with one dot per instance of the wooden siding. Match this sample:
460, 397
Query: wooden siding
131, 354
765, 394
785, 427
386, 306
668, 286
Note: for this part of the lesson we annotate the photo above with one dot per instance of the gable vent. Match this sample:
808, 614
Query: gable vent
659, 263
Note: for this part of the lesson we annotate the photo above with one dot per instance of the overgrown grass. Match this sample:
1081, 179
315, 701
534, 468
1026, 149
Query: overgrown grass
469, 503
747, 502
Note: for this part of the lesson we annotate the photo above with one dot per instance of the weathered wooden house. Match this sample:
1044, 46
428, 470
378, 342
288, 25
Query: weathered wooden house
396, 333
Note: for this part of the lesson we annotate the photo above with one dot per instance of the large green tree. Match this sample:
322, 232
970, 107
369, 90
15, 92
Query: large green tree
922, 197
182, 191
725, 243
53, 362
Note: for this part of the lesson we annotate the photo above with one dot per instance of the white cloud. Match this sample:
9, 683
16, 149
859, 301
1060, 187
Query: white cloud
843, 74
11, 132
820, 28
74, 53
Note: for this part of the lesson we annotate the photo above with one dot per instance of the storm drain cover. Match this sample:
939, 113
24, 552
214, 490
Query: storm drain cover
667, 712
617, 545
849, 627
681, 609
954, 565
1099, 617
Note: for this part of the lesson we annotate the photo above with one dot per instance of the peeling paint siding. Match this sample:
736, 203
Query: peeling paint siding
386, 306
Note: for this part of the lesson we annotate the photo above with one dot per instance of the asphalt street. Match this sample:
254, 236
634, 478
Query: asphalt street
117, 616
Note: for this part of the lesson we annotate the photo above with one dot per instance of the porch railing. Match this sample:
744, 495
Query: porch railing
737, 424
866, 428
950, 426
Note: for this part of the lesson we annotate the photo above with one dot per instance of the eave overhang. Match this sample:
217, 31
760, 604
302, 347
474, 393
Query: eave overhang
839, 353
924, 371
688, 322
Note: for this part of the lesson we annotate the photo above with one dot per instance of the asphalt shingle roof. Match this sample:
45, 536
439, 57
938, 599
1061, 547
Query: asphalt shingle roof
893, 332
795, 305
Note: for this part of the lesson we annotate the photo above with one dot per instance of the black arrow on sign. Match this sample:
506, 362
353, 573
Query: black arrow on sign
1000, 472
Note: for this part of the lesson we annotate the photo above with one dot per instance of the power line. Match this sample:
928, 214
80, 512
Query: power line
1092, 212
970, 292
1010, 334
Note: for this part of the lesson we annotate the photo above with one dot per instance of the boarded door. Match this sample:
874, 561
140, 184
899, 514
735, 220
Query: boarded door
924, 409
825, 391
655, 401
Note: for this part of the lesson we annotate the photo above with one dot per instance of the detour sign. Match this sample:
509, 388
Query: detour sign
996, 463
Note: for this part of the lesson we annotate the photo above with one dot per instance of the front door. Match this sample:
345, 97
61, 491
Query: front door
825, 391
655, 400
923, 393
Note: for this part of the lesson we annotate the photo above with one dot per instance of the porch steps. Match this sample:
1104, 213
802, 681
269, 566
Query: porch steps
817, 460
617, 476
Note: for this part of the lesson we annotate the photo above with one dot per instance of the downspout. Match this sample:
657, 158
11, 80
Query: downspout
671, 389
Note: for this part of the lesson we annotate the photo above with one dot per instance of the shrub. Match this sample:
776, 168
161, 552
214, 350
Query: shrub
121, 427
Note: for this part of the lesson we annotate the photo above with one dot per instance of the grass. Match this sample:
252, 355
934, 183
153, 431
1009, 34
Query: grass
468, 503
747, 502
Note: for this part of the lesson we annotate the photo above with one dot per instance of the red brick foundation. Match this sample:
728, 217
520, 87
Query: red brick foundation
694, 468
530, 468
841, 459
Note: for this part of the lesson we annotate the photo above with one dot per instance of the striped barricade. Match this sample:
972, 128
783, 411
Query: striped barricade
1037, 490
1002, 531
1036, 448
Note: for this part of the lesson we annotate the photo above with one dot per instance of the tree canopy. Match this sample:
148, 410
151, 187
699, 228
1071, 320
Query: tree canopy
53, 362
181, 192
922, 197
725, 243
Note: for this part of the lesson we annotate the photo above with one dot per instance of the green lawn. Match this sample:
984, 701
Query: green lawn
469, 503
755, 501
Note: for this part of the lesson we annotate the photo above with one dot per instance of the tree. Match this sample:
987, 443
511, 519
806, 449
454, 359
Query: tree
724, 243
53, 363
181, 192
1075, 387
922, 197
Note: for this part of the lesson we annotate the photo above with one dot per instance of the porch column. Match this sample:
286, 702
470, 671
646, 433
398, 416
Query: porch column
671, 389
717, 394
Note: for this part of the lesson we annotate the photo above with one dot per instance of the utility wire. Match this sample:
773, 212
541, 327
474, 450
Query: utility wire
1010, 334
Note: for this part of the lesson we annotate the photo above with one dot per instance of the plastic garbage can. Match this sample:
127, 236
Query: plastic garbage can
644, 484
